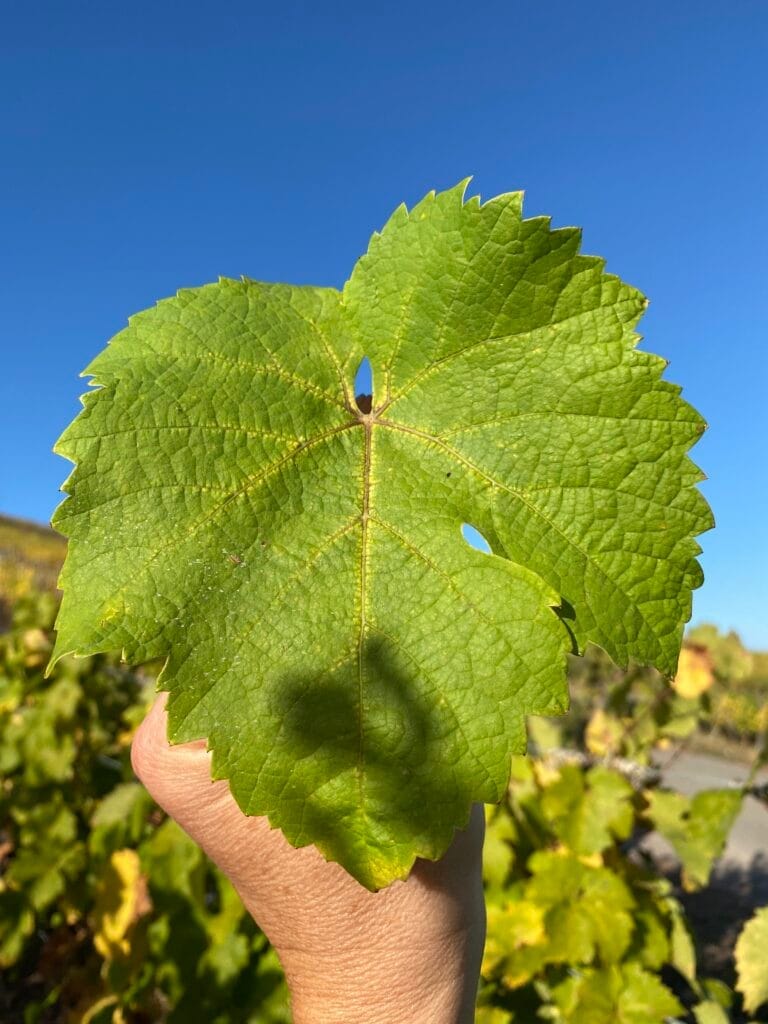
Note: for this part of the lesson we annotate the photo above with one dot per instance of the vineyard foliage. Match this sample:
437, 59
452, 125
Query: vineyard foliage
110, 915
30, 558
108, 912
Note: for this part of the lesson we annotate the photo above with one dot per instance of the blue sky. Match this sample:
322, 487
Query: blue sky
150, 146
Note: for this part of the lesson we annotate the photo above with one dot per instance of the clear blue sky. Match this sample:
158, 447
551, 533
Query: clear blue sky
150, 146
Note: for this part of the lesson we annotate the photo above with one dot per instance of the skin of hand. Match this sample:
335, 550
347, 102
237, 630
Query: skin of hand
408, 954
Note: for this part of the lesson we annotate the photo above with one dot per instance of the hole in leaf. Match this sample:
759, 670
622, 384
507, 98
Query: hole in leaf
475, 539
364, 386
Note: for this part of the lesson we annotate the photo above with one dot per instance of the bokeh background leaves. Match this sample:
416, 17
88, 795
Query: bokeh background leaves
109, 914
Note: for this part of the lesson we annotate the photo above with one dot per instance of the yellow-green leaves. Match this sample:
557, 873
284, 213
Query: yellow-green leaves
697, 827
752, 961
361, 674
121, 900
615, 995
588, 810
575, 926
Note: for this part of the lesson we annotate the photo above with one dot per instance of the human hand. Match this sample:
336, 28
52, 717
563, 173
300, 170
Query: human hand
409, 954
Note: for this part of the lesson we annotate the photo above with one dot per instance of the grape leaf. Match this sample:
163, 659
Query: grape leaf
589, 908
682, 947
710, 1013
750, 961
516, 945
588, 810
615, 995
121, 900
17, 923
697, 827
360, 672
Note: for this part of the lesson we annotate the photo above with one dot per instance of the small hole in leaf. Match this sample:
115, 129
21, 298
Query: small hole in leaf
364, 386
475, 539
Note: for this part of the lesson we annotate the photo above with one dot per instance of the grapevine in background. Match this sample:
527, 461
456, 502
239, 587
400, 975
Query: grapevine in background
108, 912
110, 915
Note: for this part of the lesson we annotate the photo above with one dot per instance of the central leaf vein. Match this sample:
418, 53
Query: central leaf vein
364, 520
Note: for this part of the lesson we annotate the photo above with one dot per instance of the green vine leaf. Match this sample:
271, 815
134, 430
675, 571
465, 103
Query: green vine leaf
360, 672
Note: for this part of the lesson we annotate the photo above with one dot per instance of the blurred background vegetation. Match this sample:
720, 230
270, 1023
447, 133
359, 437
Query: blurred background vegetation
608, 898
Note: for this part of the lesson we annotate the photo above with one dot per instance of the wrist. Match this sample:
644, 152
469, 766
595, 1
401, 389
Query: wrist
408, 954
388, 983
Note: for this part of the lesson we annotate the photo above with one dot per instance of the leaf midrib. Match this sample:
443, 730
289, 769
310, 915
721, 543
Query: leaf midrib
364, 520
